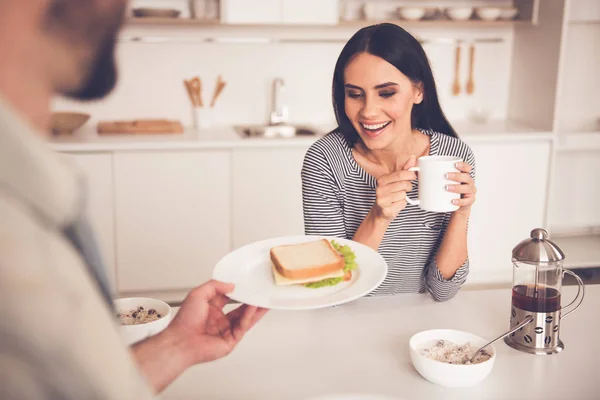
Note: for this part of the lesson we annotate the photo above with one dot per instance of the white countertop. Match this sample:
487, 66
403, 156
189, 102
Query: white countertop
362, 347
87, 140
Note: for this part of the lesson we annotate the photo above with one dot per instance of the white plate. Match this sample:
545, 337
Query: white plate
249, 268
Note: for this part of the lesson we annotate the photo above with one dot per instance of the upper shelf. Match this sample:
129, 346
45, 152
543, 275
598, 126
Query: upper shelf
342, 24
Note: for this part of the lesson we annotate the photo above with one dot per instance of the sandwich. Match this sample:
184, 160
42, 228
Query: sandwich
313, 264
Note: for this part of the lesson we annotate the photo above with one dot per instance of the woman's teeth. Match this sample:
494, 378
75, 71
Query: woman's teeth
375, 128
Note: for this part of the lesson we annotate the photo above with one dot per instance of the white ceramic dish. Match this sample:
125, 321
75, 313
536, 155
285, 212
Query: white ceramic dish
411, 13
249, 268
444, 374
488, 13
134, 333
459, 13
509, 13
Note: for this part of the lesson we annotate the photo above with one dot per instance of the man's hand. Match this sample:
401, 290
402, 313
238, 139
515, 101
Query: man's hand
200, 332
209, 333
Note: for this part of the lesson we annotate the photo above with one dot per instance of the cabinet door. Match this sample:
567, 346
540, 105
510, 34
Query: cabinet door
575, 192
97, 168
310, 11
267, 193
512, 181
251, 12
584, 10
172, 213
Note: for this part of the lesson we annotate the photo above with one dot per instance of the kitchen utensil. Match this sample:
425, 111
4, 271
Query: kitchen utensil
249, 268
516, 328
456, 84
67, 122
140, 126
537, 282
218, 90
147, 12
196, 85
471, 79
433, 195
446, 374
190, 92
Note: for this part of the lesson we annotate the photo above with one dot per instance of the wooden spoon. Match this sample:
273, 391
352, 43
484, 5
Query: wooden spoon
471, 80
196, 85
456, 84
218, 89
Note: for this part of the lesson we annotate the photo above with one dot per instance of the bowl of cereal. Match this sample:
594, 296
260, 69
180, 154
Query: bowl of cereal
442, 357
141, 317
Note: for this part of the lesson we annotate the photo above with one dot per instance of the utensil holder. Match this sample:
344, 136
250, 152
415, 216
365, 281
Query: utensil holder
202, 117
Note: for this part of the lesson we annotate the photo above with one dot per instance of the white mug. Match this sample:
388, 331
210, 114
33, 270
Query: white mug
433, 195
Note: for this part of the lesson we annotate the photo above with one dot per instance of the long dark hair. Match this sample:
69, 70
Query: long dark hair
399, 48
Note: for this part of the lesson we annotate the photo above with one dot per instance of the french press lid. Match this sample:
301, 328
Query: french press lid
537, 249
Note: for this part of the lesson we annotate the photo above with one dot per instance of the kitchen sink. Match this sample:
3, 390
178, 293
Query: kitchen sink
277, 131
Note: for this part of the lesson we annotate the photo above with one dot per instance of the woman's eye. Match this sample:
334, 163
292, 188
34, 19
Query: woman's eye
387, 94
353, 95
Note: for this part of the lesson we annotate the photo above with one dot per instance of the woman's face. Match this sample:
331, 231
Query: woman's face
379, 100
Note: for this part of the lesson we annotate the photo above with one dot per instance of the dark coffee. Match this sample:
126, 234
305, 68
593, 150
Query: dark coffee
540, 299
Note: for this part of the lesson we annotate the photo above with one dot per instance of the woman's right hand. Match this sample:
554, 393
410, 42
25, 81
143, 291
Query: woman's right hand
391, 191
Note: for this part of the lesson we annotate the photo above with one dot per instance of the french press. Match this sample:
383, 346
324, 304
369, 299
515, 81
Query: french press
536, 295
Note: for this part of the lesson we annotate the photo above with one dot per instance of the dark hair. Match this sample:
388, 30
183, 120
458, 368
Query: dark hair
399, 48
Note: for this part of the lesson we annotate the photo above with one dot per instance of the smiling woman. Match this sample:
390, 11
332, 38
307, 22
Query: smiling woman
356, 179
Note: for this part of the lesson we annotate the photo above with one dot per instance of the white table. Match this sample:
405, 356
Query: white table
362, 347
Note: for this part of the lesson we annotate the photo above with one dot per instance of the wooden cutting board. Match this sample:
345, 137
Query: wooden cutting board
140, 126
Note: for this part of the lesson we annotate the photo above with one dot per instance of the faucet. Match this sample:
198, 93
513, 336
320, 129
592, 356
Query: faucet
279, 112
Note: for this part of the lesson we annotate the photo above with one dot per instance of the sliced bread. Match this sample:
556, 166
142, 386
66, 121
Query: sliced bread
306, 260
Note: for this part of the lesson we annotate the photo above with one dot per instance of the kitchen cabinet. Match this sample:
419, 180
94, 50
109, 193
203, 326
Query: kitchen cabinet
584, 10
172, 214
266, 193
512, 181
250, 12
310, 12
575, 192
97, 169
279, 11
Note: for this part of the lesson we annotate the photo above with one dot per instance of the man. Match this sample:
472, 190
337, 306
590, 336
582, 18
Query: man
58, 333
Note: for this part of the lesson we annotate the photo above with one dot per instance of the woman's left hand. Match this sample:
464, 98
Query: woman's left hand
466, 187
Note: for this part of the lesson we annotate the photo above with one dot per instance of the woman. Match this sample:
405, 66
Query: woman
355, 180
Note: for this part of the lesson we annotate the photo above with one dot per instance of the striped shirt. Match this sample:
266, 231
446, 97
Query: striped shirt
338, 194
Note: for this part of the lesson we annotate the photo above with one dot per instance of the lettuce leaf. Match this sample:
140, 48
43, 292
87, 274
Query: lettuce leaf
349, 265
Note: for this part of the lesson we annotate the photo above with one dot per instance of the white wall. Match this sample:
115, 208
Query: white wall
151, 76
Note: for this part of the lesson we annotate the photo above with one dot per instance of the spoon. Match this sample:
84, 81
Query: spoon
516, 328
471, 80
456, 84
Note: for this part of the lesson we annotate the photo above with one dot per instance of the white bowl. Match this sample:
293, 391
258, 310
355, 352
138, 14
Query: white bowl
488, 13
411, 13
507, 13
134, 333
444, 374
459, 13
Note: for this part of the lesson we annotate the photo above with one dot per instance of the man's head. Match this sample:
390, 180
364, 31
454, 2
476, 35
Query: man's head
84, 33
64, 46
